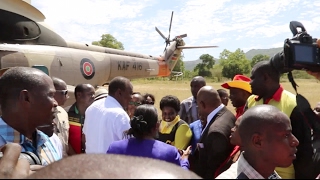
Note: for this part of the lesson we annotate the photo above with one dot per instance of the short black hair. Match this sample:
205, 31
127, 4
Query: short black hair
146, 95
80, 88
116, 83
170, 101
222, 92
57, 82
16, 79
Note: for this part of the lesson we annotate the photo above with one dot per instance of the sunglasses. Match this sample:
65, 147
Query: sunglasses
134, 103
64, 92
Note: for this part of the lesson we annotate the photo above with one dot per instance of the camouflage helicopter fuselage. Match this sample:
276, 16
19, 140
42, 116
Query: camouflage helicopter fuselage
26, 40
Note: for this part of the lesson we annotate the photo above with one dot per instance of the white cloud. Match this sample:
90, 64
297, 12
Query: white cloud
229, 24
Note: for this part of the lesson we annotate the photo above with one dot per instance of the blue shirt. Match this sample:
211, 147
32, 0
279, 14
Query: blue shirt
45, 148
196, 128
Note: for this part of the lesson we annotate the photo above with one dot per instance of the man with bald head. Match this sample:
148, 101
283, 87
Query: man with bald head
267, 142
214, 146
111, 166
188, 108
27, 102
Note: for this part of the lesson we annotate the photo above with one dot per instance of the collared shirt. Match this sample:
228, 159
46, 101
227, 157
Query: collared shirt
106, 121
239, 111
45, 149
250, 172
76, 121
276, 96
62, 131
196, 129
189, 110
166, 127
211, 115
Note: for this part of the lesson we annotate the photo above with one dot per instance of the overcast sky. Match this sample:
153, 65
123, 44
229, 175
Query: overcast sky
230, 24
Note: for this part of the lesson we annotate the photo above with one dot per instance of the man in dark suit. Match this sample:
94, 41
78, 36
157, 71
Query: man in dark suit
214, 146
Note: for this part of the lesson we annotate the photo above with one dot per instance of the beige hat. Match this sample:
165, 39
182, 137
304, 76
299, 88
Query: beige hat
100, 93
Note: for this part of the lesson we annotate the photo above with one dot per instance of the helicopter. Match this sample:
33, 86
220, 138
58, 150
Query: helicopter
26, 40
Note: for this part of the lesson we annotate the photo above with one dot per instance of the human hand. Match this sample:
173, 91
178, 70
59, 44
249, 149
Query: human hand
185, 153
316, 110
314, 74
10, 164
35, 168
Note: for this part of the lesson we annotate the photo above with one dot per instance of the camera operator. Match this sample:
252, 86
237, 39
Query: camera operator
299, 53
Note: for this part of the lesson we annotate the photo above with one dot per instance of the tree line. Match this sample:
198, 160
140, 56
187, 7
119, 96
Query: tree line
227, 66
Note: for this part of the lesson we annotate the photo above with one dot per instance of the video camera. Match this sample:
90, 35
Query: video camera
299, 53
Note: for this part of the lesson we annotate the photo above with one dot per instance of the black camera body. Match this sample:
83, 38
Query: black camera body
299, 53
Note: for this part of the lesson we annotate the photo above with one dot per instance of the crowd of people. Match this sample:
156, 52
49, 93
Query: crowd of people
268, 136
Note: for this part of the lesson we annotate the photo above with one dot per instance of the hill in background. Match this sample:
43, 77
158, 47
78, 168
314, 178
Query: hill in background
189, 65
270, 52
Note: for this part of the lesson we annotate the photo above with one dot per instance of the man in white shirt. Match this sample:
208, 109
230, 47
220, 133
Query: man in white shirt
106, 119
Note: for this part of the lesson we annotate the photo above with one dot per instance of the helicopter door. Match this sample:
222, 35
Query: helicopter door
62, 68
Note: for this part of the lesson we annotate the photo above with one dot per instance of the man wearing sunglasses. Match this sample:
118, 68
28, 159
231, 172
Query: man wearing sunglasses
61, 120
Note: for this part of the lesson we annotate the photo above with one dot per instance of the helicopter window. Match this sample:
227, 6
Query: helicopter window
42, 68
15, 27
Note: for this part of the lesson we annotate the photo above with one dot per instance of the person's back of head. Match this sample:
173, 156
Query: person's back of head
144, 122
266, 135
208, 99
121, 89
111, 166
116, 83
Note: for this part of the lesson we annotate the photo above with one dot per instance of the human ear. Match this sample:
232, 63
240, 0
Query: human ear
24, 96
256, 140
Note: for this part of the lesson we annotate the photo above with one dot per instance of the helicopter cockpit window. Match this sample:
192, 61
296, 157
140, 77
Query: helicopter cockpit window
14, 27
42, 68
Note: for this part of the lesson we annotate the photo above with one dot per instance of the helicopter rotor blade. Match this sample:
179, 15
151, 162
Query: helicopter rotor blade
160, 33
182, 36
170, 27
193, 47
